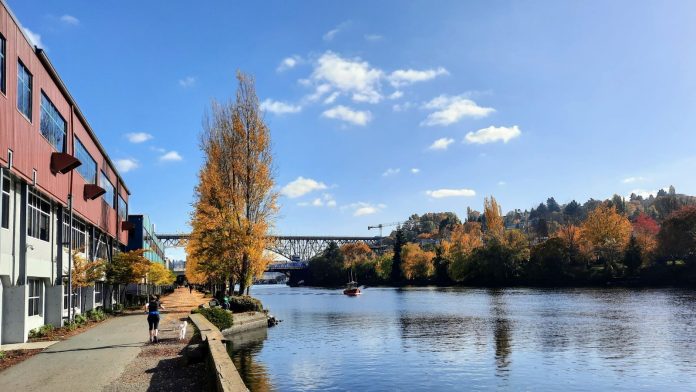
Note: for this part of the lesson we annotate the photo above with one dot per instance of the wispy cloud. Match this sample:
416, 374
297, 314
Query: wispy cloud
34, 38
171, 156
126, 165
441, 143
362, 208
326, 200
451, 109
391, 172
70, 20
347, 114
289, 63
373, 37
138, 137
492, 135
187, 82
442, 193
631, 180
301, 186
331, 34
403, 77
415, 170
279, 107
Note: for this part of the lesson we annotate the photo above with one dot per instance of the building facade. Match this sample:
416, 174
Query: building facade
60, 191
143, 236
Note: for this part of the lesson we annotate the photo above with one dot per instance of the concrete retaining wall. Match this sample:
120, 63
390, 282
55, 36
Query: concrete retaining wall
246, 321
226, 375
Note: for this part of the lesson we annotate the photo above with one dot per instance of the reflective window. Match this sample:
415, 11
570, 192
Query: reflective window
88, 168
24, 81
5, 218
39, 217
53, 125
3, 46
122, 208
35, 291
108, 187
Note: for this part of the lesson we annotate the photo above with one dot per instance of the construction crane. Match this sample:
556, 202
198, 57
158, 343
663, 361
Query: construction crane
383, 225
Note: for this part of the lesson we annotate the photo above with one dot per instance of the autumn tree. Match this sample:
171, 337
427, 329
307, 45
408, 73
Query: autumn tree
464, 239
416, 263
607, 233
645, 230
235, 201
493, 219
677, 236
85, 273
356, 253
159, 275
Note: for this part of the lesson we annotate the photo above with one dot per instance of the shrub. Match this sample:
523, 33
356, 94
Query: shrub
245, 303
96, 315
41, 332
2, 355
71, 325
221, 318
80, 319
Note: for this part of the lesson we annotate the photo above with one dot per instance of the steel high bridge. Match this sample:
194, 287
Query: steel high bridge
297, 249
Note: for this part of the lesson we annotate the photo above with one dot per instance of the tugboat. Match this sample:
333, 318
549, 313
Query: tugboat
352, 289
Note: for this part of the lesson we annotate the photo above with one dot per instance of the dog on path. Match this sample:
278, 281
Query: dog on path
182, 330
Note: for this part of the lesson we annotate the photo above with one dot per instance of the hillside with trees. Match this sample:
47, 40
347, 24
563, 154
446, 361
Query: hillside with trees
639, 241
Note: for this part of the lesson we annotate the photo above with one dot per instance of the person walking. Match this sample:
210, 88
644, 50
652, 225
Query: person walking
190, 289
153, 317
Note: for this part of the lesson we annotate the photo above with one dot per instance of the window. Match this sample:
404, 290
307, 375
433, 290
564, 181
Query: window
24, 90
108, 187
3, 45
39, 217
98, 292
122, 208
35, 289
79, 233
52, 124
5, 218
102, 251
88, 168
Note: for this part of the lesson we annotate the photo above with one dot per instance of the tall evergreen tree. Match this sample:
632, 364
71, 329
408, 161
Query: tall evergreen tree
396, 275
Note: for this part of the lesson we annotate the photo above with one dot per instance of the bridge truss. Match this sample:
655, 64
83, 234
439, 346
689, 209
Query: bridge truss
291, 247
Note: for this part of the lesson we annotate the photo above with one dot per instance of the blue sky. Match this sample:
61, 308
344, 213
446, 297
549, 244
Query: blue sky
520, 100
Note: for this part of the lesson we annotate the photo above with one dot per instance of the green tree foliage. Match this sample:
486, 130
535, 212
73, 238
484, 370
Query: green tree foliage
677, 237
633, 256
396, 275
328, 269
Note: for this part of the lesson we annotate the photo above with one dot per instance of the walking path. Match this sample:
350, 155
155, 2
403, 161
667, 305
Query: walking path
109, 356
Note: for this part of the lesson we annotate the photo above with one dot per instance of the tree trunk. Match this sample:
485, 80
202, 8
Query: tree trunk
245, 272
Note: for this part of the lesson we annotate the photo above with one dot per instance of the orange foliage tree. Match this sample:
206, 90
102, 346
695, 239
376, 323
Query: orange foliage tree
356, 253
606, 232
493, 219
416, 263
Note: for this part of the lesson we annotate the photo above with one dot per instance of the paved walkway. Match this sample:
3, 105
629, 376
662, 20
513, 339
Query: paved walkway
94, 360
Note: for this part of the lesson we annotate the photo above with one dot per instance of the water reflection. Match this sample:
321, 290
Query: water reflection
501, 331
424, 339
243, 348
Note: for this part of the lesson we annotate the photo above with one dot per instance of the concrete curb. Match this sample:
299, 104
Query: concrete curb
226, 375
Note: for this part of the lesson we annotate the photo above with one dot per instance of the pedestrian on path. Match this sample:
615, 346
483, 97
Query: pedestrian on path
153, 317
190, 289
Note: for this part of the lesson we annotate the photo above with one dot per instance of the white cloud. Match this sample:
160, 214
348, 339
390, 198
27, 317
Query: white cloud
415, 170
331, 34
34, 38
171, 156
301, 186
138, 137
396, 94
326, 200
391, 172
403, 77
644, 193
450, 109
502, 183
126, 165
289, 63
441, 143
362, 208
373, 37
278, 107
349, 76
187, 82
631, 180
331, 98
401, 107
493, 134
70, 20
347, 114
440, 193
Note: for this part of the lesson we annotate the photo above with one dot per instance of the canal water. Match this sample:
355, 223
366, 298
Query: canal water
447, 339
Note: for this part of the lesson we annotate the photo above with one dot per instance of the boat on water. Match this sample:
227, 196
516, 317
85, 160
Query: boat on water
352, 289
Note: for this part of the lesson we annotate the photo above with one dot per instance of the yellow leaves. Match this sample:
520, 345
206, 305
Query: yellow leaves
128, 267
356, 253
159, 275
606, 231
415, 262
493, 218
84, 272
